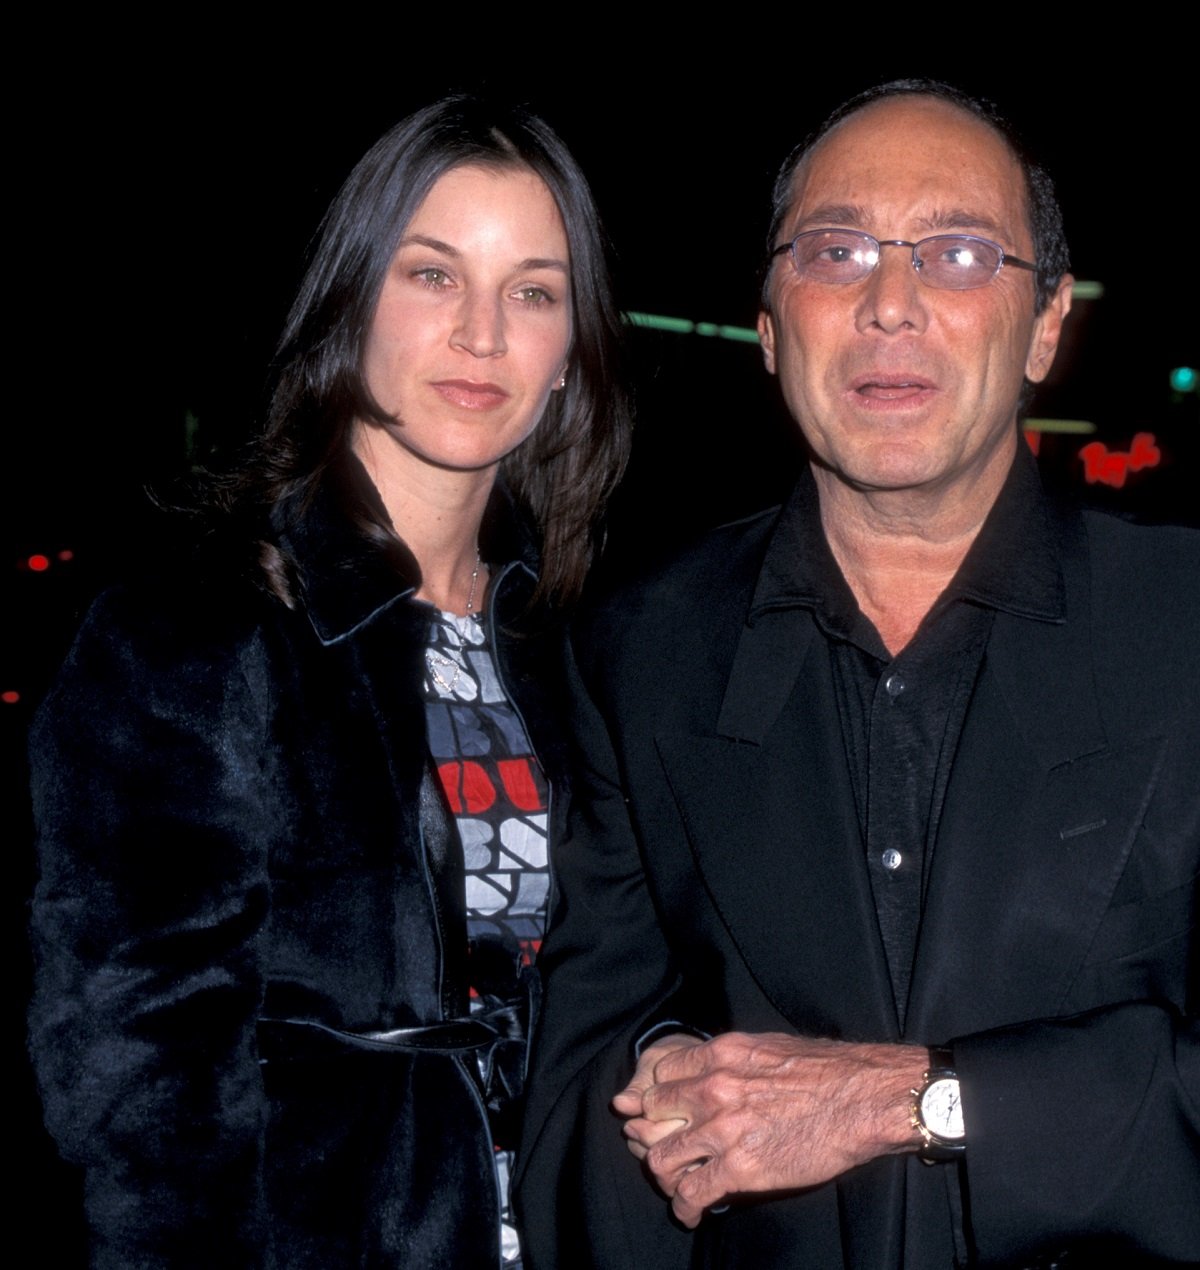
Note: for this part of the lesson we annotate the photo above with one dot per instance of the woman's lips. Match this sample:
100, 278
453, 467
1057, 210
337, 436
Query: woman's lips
469, 394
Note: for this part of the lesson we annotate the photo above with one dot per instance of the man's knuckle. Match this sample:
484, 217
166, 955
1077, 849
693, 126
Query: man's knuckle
735, 1046
660, 1156
692, 1187
725, 1088
739, 1160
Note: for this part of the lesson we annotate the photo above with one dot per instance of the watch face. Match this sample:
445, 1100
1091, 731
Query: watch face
941, 1109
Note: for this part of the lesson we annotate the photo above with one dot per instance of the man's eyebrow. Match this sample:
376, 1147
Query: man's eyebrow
832, 215
855, 216
963, 218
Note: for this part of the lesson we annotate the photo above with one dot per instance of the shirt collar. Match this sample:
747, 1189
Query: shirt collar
1013, 565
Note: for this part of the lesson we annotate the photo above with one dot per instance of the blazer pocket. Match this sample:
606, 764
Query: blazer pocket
1141, 951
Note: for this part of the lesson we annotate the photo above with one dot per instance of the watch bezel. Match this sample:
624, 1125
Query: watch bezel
942, 1133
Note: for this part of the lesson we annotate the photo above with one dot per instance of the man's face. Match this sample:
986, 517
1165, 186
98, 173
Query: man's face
895, 384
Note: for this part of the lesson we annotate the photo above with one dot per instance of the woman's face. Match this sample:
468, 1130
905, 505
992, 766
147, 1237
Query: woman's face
473, 326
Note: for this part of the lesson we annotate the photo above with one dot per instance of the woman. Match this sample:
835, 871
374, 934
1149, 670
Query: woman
275, 798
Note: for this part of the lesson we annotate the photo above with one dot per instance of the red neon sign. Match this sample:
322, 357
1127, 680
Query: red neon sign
1111, 467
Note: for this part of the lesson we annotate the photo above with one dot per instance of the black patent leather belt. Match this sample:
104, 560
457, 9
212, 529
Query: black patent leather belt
283, 1039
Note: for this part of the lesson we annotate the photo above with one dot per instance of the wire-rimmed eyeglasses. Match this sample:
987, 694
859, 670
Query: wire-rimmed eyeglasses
952, 262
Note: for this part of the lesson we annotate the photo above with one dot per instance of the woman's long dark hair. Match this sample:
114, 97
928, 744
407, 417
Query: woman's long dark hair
563, 473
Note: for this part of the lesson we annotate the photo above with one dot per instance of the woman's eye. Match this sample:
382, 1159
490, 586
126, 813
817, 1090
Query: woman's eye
534, 295
432, 277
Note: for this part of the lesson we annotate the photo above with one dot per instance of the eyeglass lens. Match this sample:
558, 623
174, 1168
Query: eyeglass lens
956, 262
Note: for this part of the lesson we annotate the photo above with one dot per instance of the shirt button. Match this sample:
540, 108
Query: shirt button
891, 859
894, 685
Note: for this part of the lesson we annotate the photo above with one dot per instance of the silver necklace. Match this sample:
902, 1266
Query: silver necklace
433, 659
474, 579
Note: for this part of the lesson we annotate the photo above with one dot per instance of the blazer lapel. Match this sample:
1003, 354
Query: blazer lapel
1039, 820
770, 820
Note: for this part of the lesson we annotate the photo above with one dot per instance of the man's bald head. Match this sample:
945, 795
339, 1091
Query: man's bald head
1042, 211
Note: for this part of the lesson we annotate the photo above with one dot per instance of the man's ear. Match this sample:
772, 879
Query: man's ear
1047, 330
766, 337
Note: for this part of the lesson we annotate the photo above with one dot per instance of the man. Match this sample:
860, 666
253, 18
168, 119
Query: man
911, 763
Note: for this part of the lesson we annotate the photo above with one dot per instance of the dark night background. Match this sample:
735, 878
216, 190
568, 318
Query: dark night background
166, 204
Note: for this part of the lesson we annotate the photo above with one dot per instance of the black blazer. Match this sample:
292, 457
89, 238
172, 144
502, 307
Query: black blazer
228, 794
715, 874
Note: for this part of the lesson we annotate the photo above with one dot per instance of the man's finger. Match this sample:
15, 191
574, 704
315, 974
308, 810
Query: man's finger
699, 1188
629, 1101
641, 1134
684, 1061
677, 1156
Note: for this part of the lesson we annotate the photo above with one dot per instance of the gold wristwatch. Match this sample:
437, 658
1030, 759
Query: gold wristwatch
936, 1110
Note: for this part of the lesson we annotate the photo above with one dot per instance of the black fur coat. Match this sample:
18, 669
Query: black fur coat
227, 794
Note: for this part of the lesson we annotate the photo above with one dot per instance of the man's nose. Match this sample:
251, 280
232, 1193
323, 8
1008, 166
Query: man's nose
479, 328
893, 298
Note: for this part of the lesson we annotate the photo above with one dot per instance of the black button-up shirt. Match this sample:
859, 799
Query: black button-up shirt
901, 717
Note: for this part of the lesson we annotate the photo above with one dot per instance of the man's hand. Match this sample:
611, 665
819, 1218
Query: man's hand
754, 1113
629, 1101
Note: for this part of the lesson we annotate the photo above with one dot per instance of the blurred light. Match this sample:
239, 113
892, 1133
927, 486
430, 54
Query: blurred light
1087, 290
66, 554
1058, 425
1183, 379
38, 563
744, 334
656, 322
10, 698
684, 326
